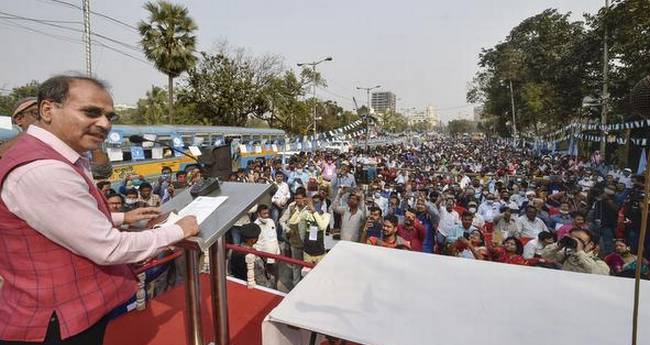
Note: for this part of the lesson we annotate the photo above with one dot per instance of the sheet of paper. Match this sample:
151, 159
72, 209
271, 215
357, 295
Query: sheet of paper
195, 151
171, 219
313, 233
157, 152
202, 207
115, 154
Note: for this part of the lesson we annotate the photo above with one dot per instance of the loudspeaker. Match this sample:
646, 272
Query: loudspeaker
217, 161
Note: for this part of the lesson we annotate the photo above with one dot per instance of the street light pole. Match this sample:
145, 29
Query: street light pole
368, 89
313, 70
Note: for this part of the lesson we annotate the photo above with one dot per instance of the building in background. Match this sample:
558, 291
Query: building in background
432, 115
383, 101
478, 112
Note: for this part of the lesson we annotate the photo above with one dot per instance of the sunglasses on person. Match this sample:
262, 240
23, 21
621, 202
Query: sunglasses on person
93, 112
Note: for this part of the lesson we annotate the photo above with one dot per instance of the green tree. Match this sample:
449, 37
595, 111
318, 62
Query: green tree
543, 57
7, 102
152, 110
168, 41
628, 28
223, 89
458, 127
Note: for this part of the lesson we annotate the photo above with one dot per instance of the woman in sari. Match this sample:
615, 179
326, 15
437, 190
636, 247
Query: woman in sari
623, 263
511, 253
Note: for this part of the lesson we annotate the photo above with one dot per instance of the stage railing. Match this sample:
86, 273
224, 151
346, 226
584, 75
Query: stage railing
141, 270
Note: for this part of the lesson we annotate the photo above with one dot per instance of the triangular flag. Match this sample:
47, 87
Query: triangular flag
643, 161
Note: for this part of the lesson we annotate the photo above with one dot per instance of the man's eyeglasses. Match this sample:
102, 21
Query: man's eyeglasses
94, 112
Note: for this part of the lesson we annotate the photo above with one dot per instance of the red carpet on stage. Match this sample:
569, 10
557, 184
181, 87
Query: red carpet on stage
163, 323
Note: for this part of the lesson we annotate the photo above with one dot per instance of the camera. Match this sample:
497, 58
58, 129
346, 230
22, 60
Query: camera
568, 243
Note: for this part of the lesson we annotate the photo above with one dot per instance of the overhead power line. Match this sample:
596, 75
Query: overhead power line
76, 41
347, 100
45, 22
99, 14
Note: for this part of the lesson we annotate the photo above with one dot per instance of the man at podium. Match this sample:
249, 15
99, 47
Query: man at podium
62, 259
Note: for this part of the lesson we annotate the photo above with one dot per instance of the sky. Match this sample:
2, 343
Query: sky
424, 51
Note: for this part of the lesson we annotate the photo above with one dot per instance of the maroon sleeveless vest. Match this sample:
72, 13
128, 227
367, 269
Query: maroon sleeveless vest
41, 277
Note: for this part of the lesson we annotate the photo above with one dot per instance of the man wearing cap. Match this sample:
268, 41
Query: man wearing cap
62, 257
626, 178
25, 113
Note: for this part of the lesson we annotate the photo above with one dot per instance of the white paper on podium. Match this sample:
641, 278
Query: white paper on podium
157, 152
115, 154
202, 207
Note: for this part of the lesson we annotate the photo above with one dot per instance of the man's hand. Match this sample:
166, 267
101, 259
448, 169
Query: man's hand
189, 225
142, 213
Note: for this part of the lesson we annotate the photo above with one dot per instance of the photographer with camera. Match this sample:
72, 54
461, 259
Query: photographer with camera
577, 252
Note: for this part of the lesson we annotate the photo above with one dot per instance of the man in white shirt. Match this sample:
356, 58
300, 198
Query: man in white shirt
535, 246
281, 196
268, 239
449, 219
529, 225
489, 208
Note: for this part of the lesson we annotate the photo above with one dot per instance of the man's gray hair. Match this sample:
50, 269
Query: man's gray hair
56, 88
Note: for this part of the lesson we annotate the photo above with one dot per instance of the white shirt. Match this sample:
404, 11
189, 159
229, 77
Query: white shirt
282, 195
488, 212
531, 248
268, 239
448, 220
529, 228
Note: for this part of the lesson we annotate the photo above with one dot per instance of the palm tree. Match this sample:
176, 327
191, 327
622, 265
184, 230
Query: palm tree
168, 41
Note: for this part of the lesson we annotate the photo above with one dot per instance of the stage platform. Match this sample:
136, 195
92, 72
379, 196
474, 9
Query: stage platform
162, 322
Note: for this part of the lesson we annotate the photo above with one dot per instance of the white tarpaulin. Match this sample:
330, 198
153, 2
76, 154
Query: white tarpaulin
379, 296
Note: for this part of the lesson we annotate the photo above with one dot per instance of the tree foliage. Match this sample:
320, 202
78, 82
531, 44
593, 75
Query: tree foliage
458, 127
7, 102
553, 63
168, 41
230, 87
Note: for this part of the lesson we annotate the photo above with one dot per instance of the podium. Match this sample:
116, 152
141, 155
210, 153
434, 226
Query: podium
241, 197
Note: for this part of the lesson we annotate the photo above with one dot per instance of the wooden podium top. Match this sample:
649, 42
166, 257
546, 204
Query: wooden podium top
241, 197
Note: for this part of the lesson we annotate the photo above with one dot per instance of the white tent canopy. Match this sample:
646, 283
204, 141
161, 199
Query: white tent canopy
379, 296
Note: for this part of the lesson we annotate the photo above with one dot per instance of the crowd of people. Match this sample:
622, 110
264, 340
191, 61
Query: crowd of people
478, 200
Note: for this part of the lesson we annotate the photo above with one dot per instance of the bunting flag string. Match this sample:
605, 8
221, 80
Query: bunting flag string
645, 123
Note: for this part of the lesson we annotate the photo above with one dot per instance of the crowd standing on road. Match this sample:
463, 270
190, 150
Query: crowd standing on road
479, 200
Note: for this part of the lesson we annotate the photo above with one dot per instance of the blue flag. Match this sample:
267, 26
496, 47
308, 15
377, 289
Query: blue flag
643, 161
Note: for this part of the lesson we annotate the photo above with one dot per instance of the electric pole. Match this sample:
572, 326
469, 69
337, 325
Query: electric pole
86, 14
605, 96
